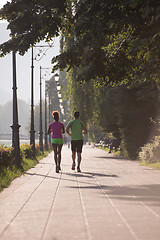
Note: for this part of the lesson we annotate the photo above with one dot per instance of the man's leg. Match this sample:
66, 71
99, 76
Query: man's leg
79, 161
73, 156
73, 148
79, 151
73, 159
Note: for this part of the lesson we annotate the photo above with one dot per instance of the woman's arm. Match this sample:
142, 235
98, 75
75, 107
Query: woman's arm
49, 130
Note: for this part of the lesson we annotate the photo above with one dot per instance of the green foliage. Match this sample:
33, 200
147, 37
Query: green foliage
28, 163
151, 165
108, 115
9, 173
127, 111
104, 43
96, 134
37, 150
27, 151
115, 151
80, 96
113, 41
31, 22
135, 114
150, 152
6, 156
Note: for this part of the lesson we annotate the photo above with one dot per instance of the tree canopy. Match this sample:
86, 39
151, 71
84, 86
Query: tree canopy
114, 40
109, 43
32, 21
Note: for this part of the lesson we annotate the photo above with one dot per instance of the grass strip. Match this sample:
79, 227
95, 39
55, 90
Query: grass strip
142, 163
118, 152
151, 165
9, 174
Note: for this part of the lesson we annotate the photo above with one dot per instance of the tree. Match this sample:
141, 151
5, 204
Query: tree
108, 117
114, 109
114, 41
130, 113
32, 21
110, 43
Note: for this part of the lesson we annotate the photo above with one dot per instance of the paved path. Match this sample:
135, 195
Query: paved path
112, 199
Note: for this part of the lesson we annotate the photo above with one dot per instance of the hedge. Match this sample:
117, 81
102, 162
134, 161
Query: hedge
150, 152
7, 154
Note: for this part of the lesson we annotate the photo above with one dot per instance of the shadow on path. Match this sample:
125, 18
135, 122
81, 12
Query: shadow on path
115, 157
82, 175
129, 194
91, 174
149, 194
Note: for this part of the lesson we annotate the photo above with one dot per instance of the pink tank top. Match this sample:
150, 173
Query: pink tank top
56, 128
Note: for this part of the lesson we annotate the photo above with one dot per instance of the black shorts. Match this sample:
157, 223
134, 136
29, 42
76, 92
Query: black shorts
76, 145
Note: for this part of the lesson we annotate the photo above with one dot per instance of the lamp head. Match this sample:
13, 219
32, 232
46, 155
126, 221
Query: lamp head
56, 77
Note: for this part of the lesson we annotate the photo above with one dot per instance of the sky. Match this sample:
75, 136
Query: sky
23, 69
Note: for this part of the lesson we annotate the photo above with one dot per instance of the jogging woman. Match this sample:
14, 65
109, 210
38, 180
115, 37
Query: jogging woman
57, 129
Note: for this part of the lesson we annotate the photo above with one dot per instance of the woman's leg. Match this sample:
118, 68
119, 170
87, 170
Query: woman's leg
59, 149
55, 152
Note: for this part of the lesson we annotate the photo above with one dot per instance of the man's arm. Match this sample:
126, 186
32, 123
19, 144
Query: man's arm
63, 130
85, 130
67, 130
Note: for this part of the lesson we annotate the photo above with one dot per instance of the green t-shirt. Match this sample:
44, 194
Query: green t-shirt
77, 127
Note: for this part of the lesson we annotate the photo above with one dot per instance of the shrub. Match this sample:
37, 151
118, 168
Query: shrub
26, 150
6, 156
37, 150
151, 151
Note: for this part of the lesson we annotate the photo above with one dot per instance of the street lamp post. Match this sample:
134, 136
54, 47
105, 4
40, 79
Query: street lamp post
40, 117
48, 85
40, 122
38, 57
15, 127
59, 93
50, 96
48, 90
46, 138
49, 117
32, 131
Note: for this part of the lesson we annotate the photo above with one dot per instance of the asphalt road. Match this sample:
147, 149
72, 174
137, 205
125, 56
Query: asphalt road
111, 199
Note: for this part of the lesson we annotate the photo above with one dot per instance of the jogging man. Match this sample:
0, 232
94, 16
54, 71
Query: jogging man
76, 129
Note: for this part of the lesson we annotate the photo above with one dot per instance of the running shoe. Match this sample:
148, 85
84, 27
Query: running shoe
78, 169
57, 169
73, 165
